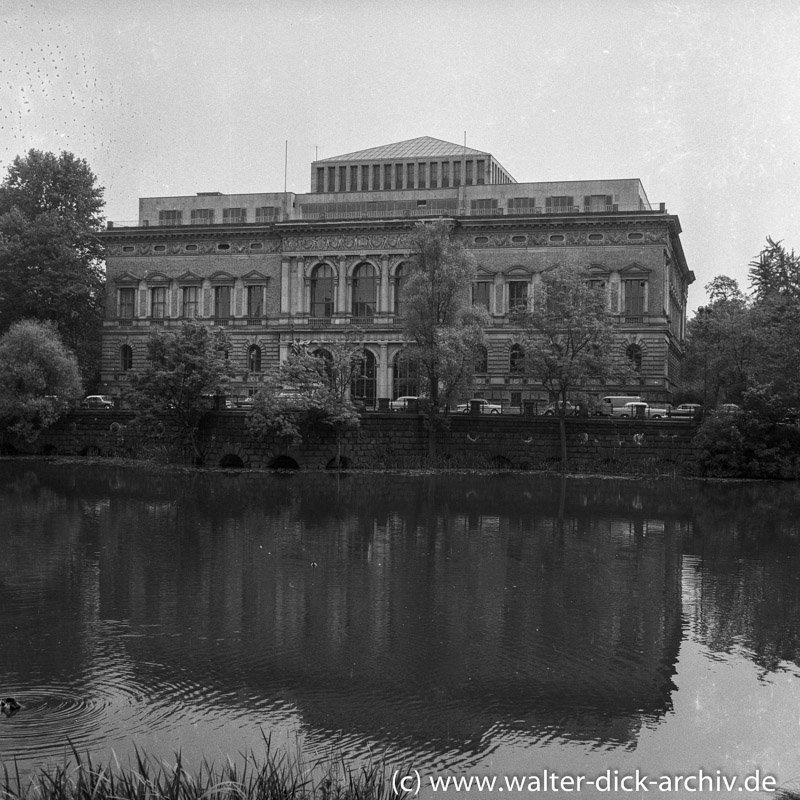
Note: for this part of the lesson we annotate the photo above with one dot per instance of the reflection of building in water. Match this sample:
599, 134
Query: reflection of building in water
431, 616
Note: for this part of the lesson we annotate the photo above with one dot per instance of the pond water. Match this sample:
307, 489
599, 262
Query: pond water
457, 625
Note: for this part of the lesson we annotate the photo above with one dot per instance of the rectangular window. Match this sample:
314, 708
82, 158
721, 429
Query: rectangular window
635, 296
222, 301
456, 174
434, 175
398, 176
234, 216
483, 205
445, 174
342, 179
158, 302
481, 294
126, 298
331, 179
202, 216
598, 202
521, 205
410, 176
597, 284
266, 214
559, 204
387, 177
364, 178
320, 180
481, 177
376, 177
171, 217
190, 301
255, 301
353, 178
421, 176
468, 176
517, 295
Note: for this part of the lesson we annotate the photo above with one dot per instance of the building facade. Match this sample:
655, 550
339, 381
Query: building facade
275, 268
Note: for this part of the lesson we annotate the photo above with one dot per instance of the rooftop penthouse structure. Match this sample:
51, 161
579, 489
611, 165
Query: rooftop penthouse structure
275, 267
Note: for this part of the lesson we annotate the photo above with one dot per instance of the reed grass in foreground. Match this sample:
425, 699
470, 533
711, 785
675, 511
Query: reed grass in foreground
272, 777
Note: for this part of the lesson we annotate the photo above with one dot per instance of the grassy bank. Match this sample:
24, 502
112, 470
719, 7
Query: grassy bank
268, 777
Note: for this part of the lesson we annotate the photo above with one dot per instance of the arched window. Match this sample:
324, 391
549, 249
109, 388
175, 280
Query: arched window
405, 378
362, 386
516, 358
398, 286
365, 291
481, 360
126, 358
634, 355
322, 291
254, 358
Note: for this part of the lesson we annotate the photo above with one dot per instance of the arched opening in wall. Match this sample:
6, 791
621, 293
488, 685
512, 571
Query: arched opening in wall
634, 355
231, 461
363, 384
322, 286
254, 358
481, 365
327, 358
91, 451
516, 359
283, 462
126, 358
343, 462
48, 450
500, 462
365, 291
405, 377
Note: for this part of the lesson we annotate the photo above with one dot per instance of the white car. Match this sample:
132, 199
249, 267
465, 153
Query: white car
643, 410
97, 401
486, 406
401, 403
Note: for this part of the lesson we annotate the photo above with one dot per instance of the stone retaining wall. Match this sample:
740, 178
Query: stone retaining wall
383, 441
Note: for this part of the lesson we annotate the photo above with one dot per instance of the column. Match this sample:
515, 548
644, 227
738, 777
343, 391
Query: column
284, 286
341, 300
383, 382
299, 284
383, 295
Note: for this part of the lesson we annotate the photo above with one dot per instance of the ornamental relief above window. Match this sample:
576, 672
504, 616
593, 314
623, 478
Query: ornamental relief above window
559, 239
193, 248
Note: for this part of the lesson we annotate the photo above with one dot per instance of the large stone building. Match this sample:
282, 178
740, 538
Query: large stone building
278, 267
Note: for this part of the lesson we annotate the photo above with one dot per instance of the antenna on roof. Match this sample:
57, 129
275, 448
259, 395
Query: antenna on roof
285, 164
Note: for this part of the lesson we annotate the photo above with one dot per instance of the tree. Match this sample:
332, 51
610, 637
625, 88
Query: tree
721, 345
39, 376
443, 329
569, 340
50, 253
185, 368
312, 387
775, 271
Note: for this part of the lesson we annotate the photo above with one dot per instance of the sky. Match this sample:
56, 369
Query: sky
699, 100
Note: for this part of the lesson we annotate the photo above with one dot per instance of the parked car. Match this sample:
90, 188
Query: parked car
642, 409
554, 408
729, 408
687, 410
102, 401
486, 406
401, 403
